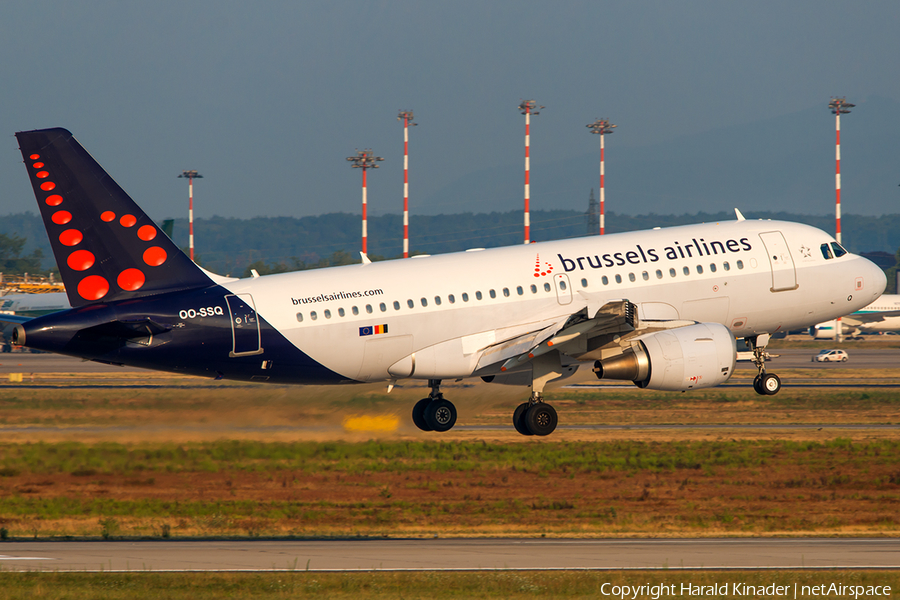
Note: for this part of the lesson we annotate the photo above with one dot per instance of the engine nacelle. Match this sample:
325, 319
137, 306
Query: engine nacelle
686, 358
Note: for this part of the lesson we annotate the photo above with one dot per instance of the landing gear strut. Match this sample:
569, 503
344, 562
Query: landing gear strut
765, 384
536, 417
434, 413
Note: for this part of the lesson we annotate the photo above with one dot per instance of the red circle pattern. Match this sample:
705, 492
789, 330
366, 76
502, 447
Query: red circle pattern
131, 279
80, 260
70, 237
127, 221
48, 185
42, 175
54, 200
147, 232
34, 156
154, 256
93, 287
61, 217
38, 165
108, 216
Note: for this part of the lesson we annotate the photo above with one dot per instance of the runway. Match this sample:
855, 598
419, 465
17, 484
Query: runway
450, 555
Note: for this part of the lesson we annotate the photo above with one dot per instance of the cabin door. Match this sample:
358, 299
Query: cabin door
244, 325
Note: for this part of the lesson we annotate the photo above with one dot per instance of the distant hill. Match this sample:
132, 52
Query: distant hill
228, 245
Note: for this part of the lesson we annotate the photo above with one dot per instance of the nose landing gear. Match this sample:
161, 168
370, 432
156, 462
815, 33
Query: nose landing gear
765, 384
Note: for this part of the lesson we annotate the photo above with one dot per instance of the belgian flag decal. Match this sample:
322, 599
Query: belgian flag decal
373, 329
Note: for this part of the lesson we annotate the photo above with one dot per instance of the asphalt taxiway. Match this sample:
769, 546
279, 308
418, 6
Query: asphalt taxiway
449, 555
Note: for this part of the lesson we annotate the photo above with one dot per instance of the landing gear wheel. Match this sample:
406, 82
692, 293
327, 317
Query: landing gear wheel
541, 419
440, 415
418, 414
519, 419
770, 384
756, 387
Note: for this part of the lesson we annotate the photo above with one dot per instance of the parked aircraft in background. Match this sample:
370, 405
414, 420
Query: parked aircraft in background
660, 308
34, 305
882, 316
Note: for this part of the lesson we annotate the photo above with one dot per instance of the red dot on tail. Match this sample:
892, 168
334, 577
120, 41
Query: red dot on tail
38, 165
42, 174
108, 216
147, 232
130, 279
54, 200
34, 156
93, 287
48, 185
61, 217
154, 256
80, 260
70, 237
127, 221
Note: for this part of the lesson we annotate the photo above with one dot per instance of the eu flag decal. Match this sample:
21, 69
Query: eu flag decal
373, 330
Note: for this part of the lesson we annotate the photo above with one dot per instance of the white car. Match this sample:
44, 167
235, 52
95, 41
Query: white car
831, 356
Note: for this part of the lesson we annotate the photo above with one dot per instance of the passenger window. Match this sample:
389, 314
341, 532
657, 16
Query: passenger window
478, 295
658, 274
712, 267
341, 312
383, 307
687, 270
451, 298
604, 280
506, 292
313, 315
534, 289
726, 266
424, 302
327, 314
618, 279
546, 287
826, 251
493, 294
631, 277
700, 269
562, 284
300, 317
396, 305
671, 272
645, 275
369, 308
584, 283
519, 290
838, 250
410, 303
465, 297
740, 264
437, 300
354, 310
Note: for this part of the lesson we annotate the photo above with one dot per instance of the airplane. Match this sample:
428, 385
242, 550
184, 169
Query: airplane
882, 316
660, 308
29, 305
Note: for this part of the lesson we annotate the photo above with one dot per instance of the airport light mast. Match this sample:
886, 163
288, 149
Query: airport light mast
191, 176
838, 107
364, 160
602, 126
527, 108
406, 116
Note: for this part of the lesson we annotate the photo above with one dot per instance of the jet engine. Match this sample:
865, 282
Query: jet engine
686, 358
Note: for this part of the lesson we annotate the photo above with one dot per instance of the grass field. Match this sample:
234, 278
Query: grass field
441, 585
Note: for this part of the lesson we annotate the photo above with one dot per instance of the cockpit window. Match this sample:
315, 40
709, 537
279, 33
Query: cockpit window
838, 250
826, 251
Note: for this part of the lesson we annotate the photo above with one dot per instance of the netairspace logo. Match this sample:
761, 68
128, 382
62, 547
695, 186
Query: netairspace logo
743, 590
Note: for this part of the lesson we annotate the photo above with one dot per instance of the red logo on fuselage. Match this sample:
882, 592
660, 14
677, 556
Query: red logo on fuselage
538, 270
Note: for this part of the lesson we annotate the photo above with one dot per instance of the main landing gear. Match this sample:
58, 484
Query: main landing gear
536, 417
765, 384
434, 413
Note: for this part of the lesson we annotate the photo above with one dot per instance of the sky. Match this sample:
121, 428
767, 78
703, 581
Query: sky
267, 99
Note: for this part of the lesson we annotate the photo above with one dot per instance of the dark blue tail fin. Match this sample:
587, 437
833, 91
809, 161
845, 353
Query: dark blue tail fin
106, 247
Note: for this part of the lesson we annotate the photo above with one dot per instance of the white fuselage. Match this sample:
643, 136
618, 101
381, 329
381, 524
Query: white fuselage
881, 316
753, 277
